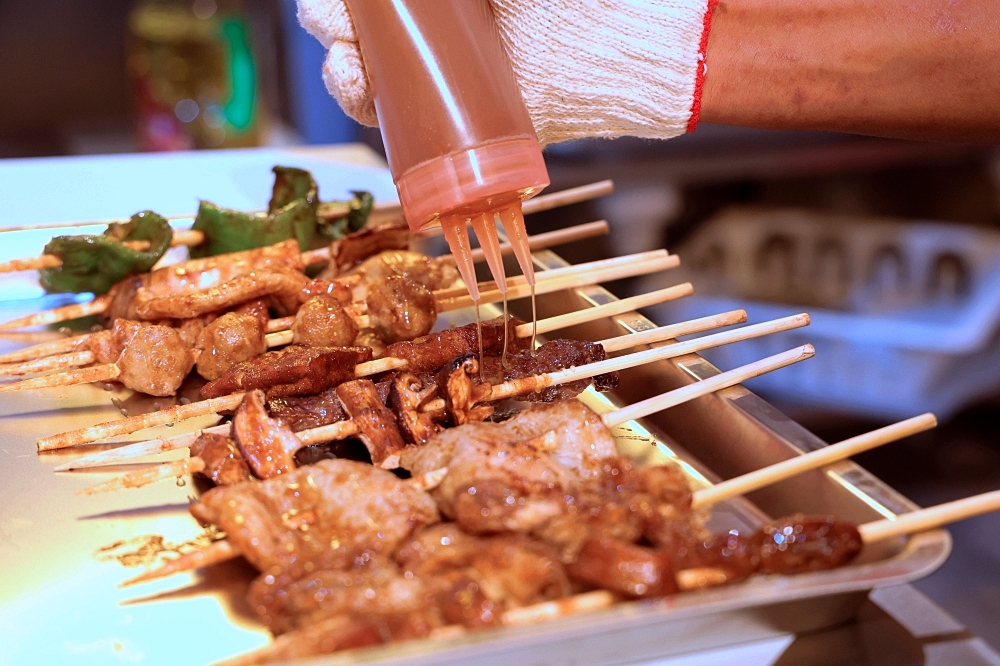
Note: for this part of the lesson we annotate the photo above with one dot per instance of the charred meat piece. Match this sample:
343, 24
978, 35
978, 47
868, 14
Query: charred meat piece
354, 248
406, 395
431, 352
400, 308
224, 464
806, 543
624, 568
308, 411
375, 422
281, 287
267, 444
291, 371
230, 339
462, 390
723, 558
556, 355
154, 360
324, 516
323, 322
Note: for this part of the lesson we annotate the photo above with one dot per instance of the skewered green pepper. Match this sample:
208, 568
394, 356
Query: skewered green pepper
93, 263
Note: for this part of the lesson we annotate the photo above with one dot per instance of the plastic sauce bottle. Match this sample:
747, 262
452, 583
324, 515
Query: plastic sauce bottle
460, 144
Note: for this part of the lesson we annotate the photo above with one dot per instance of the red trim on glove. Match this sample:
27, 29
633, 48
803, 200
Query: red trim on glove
699, 78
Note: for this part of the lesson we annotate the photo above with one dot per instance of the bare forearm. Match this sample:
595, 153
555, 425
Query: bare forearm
926, 69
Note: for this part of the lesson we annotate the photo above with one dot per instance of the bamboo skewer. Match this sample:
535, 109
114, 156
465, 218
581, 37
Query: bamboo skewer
179, 413
140, 449
930, 518
785, 469
190, 238
56, 315
569, 277
528, 384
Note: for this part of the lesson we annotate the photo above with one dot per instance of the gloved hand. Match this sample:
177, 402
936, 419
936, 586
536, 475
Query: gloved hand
587, 68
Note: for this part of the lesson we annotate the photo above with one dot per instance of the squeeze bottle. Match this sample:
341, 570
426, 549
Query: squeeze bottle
458, 137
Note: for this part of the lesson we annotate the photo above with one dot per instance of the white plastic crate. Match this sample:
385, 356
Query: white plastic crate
905, 315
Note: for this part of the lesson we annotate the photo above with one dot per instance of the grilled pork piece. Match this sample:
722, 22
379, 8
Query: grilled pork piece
376, 423
624, 568
556, 355
323, 516
224, 464
267, 444
806, 543
292, 371
323, 322
429, 353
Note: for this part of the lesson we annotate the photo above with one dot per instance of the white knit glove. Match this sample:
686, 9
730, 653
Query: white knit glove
587, 68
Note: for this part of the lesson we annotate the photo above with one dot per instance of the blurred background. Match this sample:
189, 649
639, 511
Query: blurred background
892, 246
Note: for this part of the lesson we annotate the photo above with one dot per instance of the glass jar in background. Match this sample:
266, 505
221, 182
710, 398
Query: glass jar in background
194, 75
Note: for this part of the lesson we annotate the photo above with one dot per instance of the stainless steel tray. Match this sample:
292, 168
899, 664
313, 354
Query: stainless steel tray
59, 600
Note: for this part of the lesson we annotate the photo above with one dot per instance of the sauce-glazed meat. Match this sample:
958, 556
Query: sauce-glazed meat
400, 308
428, 353
555, 355
348, 252
514, 475
291, 371
308, 411
323, 322
806, 543
224, 464
323, 516
228, 340
154, 360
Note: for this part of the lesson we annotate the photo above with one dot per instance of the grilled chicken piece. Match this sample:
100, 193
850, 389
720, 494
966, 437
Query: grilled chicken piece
224, 464
376, 423
323, 516
400, 308
429, 353
323, 322
291, 371
154, 359
267, 444
228, 340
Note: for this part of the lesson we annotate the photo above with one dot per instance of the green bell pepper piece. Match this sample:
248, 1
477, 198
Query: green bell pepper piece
94, 263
